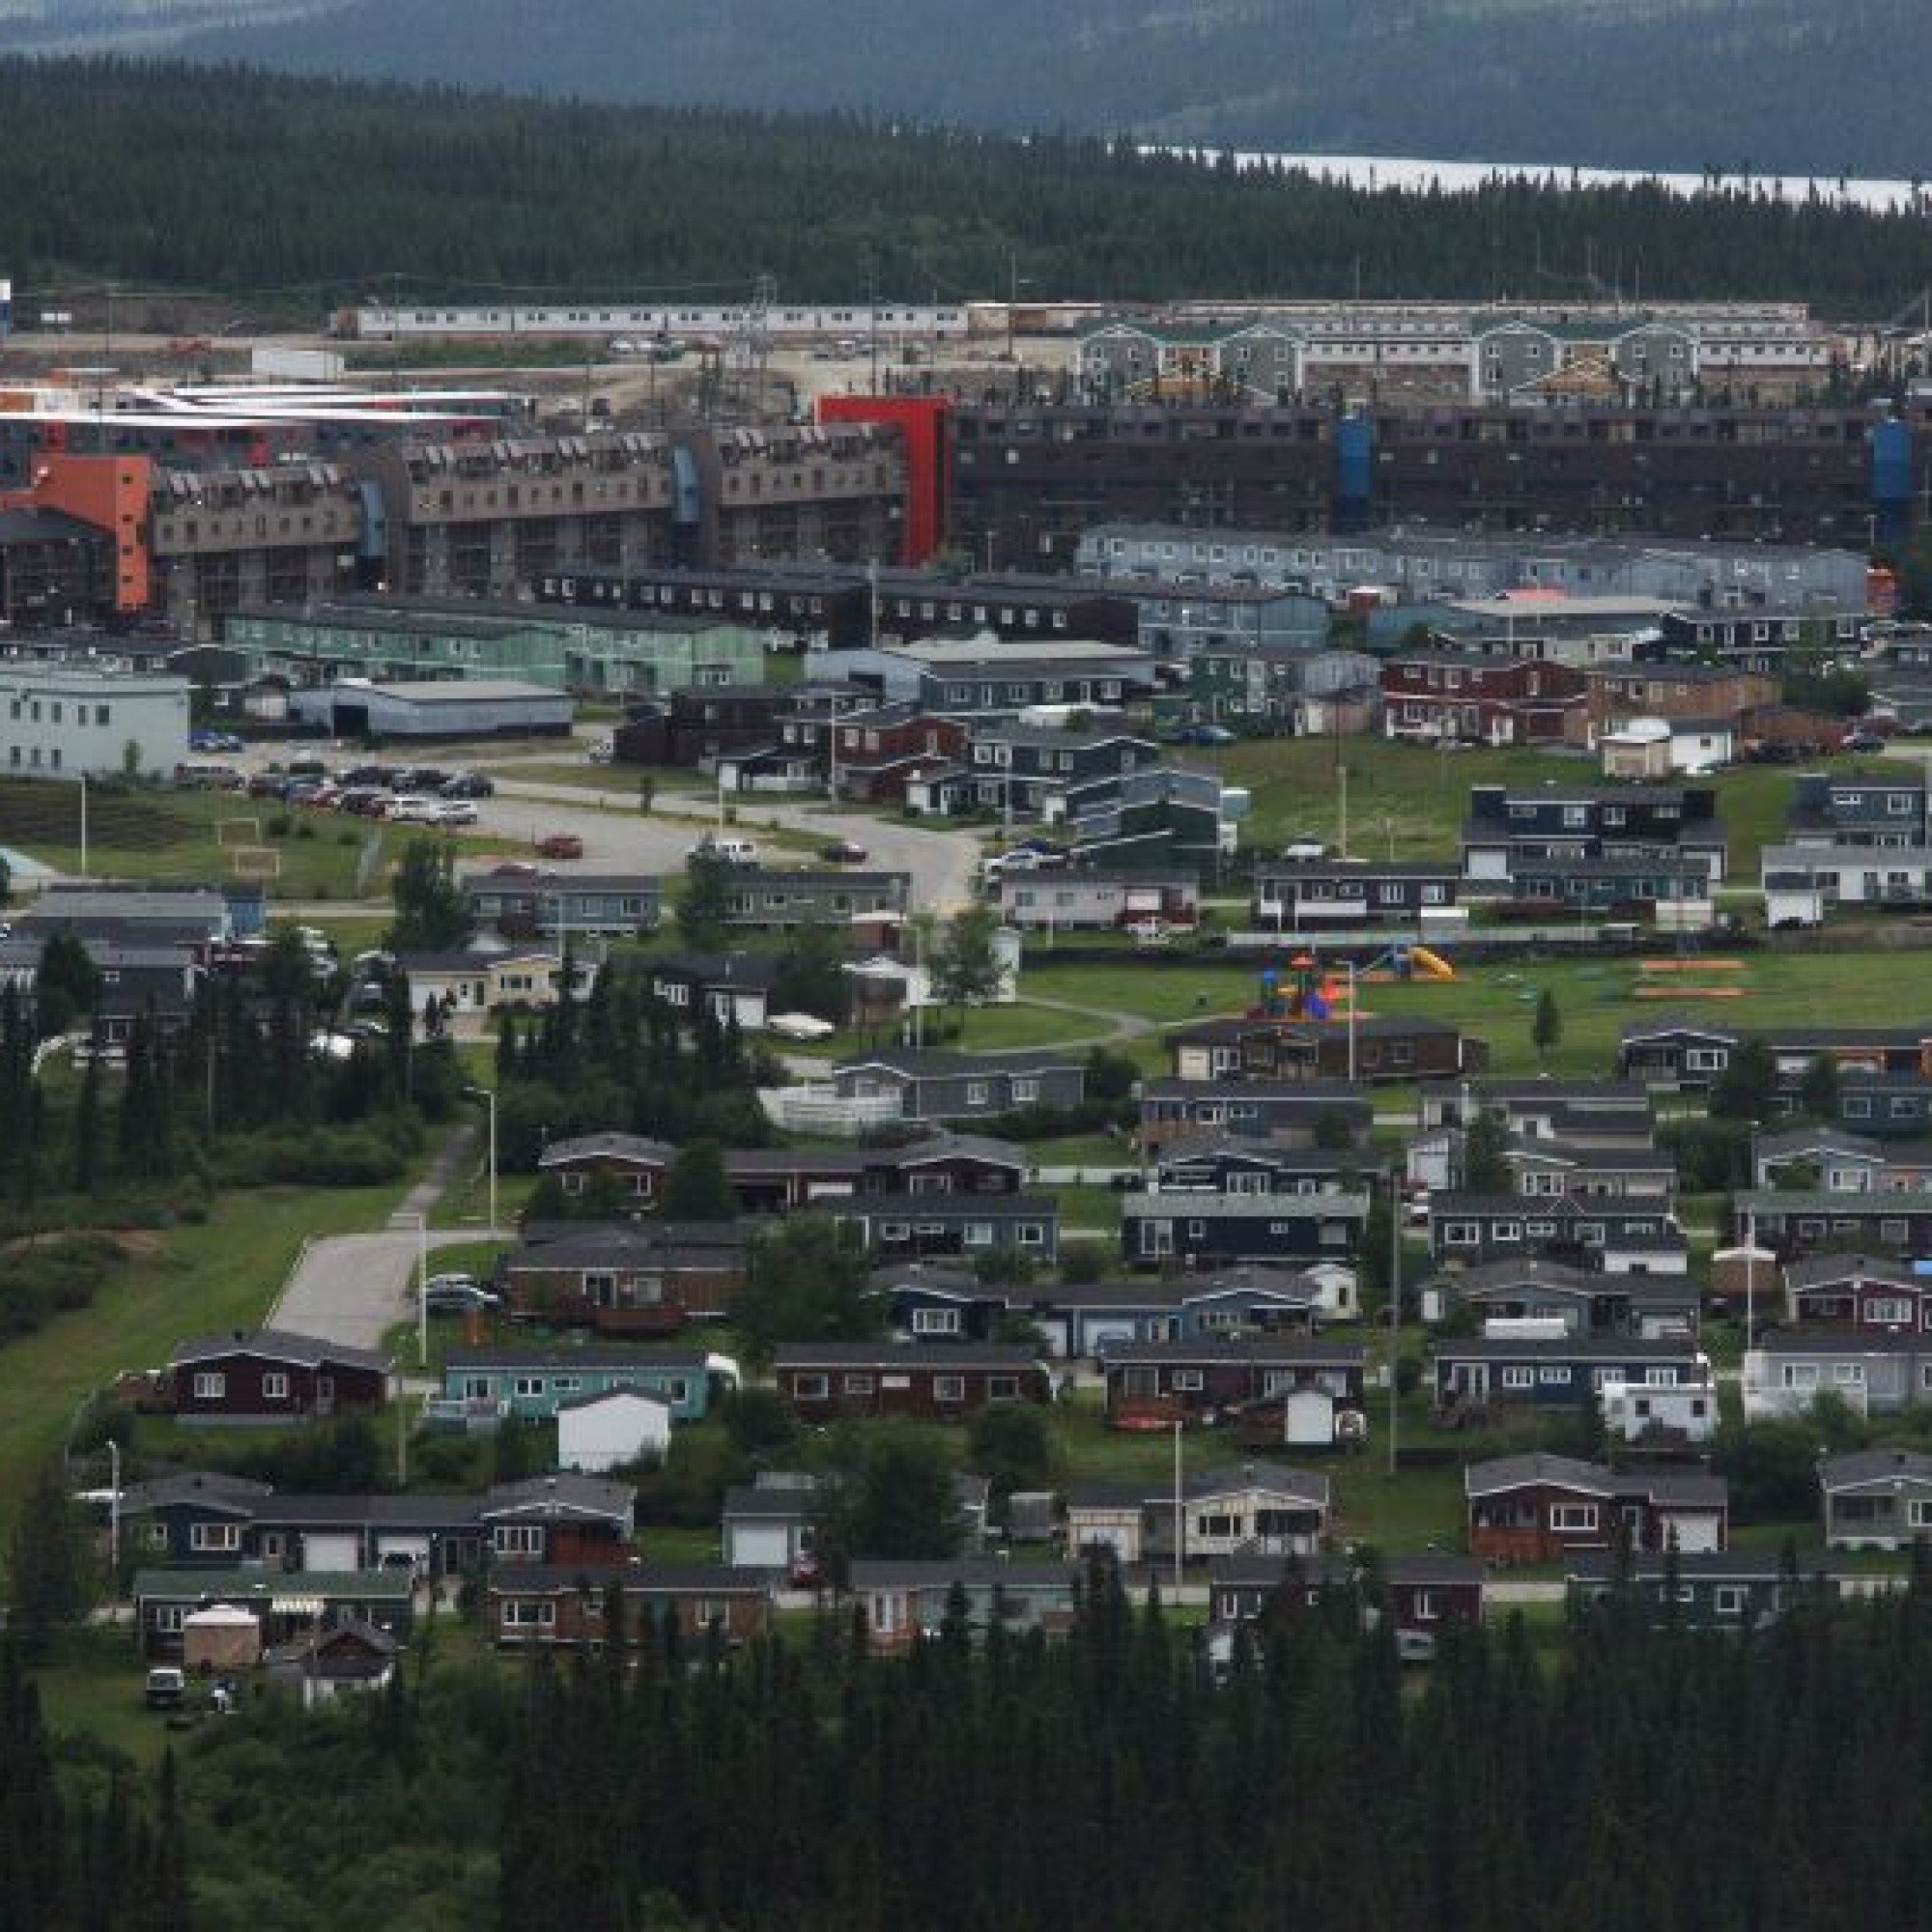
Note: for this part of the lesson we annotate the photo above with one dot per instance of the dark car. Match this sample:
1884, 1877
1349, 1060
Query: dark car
1865, 741
842, 852
469, 785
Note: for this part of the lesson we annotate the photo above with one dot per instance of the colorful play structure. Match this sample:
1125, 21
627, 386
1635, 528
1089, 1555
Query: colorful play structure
1311, 990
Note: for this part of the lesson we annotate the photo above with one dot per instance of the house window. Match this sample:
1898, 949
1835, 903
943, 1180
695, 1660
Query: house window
518, 1539
210, 1387
857, 1385
1185, 1381
1889, 1311
528, 1614
1422, 1606
529, 1385
1800, 1375
1003, 1388
935, 1322
1519, 1378
1848, 1375
1918, 1514
1729, 1600
809, 1389
214, 1536
275, 1388
1573, 1518
949, 1388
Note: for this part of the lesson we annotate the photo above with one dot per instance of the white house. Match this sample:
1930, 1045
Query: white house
595, 1432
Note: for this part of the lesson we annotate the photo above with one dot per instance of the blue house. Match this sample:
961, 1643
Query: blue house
1564, 1374
482, 1387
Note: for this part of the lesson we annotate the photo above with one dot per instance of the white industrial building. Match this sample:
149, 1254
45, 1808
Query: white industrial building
596, 1433
68, 722
480, 707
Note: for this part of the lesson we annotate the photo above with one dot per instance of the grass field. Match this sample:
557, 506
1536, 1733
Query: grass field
184, 1281
1498, 1002
1408, 801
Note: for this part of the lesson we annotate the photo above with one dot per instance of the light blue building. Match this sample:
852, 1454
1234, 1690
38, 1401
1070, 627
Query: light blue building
482, 1387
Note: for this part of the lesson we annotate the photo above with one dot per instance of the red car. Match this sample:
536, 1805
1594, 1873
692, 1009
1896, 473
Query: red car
560, 845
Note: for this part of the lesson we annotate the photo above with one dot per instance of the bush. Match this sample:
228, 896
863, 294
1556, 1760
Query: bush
280, 825
315, 1157
38, 1283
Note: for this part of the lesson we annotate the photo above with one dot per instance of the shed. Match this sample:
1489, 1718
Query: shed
595, 1432
224, 1636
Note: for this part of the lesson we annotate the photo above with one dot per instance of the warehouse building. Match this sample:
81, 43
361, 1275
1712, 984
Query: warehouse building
435, 708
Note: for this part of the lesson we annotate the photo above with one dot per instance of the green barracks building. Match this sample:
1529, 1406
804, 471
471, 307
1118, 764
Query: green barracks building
391, 640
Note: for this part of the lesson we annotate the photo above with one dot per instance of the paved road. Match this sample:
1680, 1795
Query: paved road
352, 1289
616, 834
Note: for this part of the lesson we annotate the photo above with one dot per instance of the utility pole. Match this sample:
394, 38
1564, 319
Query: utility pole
1395, 1315
1179, 1515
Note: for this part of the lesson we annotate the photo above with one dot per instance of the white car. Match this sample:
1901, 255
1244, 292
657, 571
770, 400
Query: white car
452, 811
413, 810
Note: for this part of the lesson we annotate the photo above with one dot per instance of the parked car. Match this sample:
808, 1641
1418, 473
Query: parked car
414, 810
601, 751
469, 785
842, 852
1865, 741
1206, 735
454, 812
168, 1686
459, 1295
1304, 851
560, 845
733, 851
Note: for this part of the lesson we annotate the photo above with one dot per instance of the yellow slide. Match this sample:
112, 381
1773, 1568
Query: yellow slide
1431, 965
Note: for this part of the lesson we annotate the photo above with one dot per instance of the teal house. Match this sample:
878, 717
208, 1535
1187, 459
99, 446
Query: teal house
482, 1387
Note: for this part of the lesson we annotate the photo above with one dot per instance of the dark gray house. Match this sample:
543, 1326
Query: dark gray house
963, 1087
758, 898
916, 1227
1279, 1110
1307, 897
1209, 1230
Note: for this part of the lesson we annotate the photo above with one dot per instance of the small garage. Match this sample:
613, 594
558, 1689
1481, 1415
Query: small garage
437, 708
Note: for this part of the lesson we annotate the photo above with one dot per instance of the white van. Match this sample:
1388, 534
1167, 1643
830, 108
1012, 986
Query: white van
733, 851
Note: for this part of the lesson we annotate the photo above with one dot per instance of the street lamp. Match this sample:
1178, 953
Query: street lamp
407, 1216
488, 1095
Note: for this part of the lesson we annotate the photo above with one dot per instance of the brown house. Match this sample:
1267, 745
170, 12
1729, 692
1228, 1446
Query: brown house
945, 1382
1155, 1385
1426, 1593
626, 1277
1533, 1509
880, 752
1385, 1047
1442, 696
1620, 692
270, 1376
549, 1604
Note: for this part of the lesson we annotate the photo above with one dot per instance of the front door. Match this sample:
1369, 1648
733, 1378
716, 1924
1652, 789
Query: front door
1470, 1380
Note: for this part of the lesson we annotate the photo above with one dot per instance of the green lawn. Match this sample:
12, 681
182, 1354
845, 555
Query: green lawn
1408, 801
183, 1282
1497, 1002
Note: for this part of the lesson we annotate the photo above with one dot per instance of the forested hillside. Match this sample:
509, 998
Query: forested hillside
299, 195
1781, 85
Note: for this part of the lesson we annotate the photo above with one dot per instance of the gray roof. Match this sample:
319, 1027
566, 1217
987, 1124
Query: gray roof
682, 1579
1315, 1094
1861, 1466
764, 1503
602, 1357
276, 1345
1270, 1352
972, 1572
1694, 1566
256, 1586
1516, 1472
207, 1489
945, 1066
608, 1146
1424, 1567
1179, 1205
565, 1493
1306, 1485
941, 1358
1830, 1343
1820, 1270
1563, 1348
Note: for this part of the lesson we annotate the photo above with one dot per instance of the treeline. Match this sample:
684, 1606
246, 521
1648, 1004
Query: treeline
291, 197
1611, 1777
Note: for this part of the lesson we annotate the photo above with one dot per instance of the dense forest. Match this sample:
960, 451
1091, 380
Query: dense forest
1800, 86
290, 197
1612, 1775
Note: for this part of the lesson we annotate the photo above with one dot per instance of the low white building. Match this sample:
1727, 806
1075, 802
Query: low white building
1635, 1410
596, 1433
72, 721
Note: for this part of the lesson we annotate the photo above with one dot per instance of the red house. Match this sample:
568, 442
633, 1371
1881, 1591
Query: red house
1534, 1509
1859, 1291
270, 1376
880, 752
1155, 1385
945, 1382
564, 1605
1442, 696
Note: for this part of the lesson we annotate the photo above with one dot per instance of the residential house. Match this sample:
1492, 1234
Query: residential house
1886, 1104
1378, 1046
137, 982
758, 898
1470, 1375
1632, 886
1247, 1301
1698, 692
694, 727
566, 1605
1859, 1291
1304, 1112
1868, 808
1652, 750
917, 1086
1545, 1169
1602, 1233
926, 1225
1256, 1509
354, 1657
1658, 1417
1422, 1594
1700, 1589
526, 902
1157, 1385
1794, 1223
1159, 1227
1804, 885
1014, 769
768, 1524
1586, 1113
946, 1381
1588, 1302
1826, 1159
881, 753
1535, 1508
473, 982
636, 1277
735, 988
559, 1518
1757, 636
1674, 1051
1446, 696
269, 1376
288, 1610
1162, 818
1877, 1498
1674, 829
904, 1601
1313, 895
1224, 1164
482, 1387
1071, 901
974, 679
1870, 1371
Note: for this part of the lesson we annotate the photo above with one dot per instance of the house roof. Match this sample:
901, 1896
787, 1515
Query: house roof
636, 1148
1696, 1566
1494, 1277
206, 1488
946, 1207
1830, 1343
597, 1398
262, 1586
565, 1493
1305, 1485
751, 972
1860, 1469
765, 1503
1442, 1568
618, 1244
1521, 1473
937, 1357
1315, 1094
946, 1065
1563, 1348
1825, 1270
972, 1572
1816, 1140
1179, 1205
1884, 1203
638, 1580
276, 1345
1676, 1488
605, 1359
1259, 1351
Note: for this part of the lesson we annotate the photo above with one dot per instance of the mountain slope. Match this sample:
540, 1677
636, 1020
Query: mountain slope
1778, 85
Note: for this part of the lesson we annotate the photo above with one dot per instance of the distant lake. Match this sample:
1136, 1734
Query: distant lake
1373, 171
